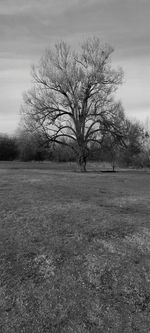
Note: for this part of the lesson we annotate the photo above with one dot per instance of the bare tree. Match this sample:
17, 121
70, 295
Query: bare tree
73, 96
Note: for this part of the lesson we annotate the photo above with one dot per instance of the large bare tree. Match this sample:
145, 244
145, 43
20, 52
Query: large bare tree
72, 100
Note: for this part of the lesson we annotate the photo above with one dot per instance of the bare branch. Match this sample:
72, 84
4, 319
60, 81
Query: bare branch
73, 95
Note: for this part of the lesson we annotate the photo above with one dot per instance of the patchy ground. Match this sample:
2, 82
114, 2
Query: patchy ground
74, 250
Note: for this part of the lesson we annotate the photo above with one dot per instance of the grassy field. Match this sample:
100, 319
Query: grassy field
74, 250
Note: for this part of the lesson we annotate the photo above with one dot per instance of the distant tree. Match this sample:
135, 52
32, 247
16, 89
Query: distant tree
135, 140
112, 145
110, 150
8, 148
62, 153
72, 100
147, 143
30, 146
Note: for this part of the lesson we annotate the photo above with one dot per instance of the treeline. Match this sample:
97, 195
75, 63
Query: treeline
135, 152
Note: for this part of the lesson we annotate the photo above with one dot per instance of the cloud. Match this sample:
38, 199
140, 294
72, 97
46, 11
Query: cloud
125, 24
28, 27
32, 25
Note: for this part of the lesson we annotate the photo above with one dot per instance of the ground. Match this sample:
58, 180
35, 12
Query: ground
74, 250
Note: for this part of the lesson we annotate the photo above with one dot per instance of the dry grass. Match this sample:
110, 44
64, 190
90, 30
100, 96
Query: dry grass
74, 250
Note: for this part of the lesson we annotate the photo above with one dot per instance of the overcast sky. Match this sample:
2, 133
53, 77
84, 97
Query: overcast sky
27, 27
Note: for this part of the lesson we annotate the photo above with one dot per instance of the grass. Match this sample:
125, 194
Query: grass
74, 250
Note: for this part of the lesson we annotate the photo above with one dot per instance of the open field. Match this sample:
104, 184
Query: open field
74, 250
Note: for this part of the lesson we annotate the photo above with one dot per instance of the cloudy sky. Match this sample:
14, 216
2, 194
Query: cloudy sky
27, 27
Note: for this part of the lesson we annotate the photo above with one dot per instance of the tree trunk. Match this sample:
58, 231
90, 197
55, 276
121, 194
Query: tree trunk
113, 160
82, 163
83, 167
113, 166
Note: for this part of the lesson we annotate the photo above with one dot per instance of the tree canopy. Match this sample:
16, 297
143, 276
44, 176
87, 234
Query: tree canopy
72, 99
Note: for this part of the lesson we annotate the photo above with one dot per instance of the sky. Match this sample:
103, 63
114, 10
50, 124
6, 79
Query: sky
28, 27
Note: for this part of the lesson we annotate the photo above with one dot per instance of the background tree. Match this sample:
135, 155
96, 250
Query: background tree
30, 146
110, 150
8, 148
72, 100
111, 145
147, 143
136, 136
